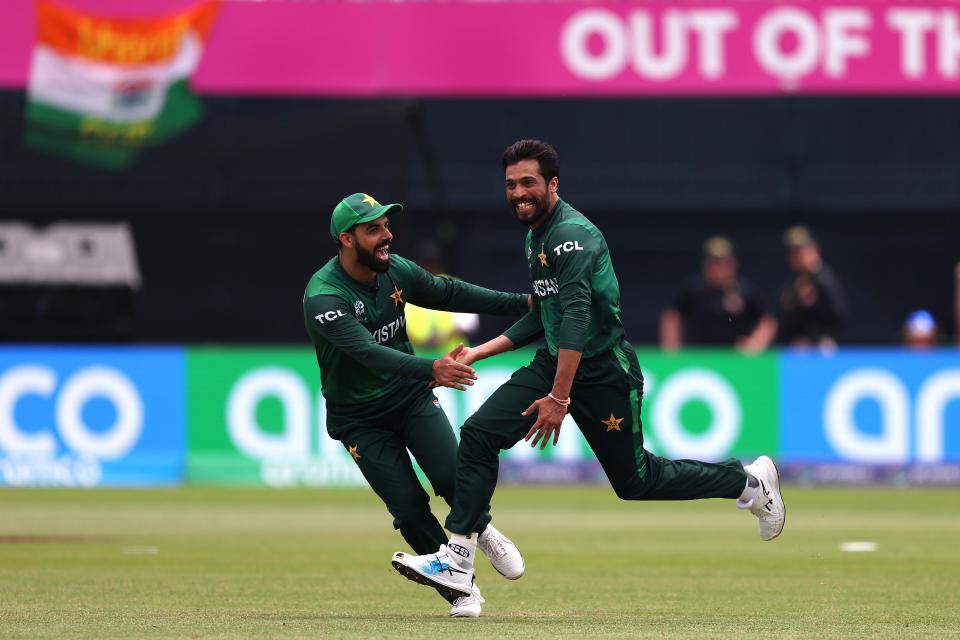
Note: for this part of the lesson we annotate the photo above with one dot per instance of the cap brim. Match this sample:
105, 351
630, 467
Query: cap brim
384, 210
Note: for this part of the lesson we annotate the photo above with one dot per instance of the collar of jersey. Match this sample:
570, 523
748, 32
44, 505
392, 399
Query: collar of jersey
372, 287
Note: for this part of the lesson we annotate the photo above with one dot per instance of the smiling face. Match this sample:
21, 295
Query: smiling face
530, 196
371, 242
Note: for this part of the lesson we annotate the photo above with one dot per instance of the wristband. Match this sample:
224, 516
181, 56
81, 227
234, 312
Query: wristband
562, 403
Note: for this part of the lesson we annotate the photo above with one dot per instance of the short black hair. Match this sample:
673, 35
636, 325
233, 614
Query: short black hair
545, 155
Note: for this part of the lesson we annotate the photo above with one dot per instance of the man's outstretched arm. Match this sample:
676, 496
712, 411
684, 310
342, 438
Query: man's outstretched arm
449, 294
331, 320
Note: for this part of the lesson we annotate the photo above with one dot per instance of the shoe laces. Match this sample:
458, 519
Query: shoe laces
494, 545
766, 494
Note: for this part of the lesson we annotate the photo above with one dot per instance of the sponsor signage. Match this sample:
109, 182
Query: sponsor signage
876, 407
657, 47
257, 416
710, 405
84, 417
81, 417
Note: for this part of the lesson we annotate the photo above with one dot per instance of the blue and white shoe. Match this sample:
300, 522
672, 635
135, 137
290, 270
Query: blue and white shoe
439, 570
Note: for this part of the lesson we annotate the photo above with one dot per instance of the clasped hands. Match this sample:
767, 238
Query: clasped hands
453, 370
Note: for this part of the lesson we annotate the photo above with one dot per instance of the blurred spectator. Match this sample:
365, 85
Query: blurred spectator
813, 304
716, 307
433, 330
920, 331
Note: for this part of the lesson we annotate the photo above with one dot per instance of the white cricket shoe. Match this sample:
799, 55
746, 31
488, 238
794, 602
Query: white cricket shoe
502, 553
767, 505
468, 606
439, 570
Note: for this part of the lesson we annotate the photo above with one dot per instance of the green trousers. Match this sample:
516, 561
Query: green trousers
379, 434
606, 396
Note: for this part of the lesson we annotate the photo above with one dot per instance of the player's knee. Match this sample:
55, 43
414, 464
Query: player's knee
469, 428
630, 489
476, 444
622, 491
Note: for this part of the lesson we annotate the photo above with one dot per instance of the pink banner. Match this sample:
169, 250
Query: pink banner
559, 48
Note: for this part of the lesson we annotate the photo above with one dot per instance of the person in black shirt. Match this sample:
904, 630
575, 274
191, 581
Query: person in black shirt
813, 305
716, 307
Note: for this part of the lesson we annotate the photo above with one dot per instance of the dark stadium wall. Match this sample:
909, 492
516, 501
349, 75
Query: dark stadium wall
230, 217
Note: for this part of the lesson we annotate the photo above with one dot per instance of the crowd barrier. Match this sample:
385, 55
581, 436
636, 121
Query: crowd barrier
144, 416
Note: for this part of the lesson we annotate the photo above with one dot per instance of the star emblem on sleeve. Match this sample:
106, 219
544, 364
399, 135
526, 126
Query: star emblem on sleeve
353, 451
613, 424
396, 296
543, 257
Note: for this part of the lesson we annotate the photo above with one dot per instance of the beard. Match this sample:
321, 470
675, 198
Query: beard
369, 259
541, 207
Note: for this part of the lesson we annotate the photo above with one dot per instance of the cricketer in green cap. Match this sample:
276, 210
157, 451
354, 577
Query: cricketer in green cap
357, 209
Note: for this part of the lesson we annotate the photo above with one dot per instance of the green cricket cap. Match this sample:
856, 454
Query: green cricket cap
357, 209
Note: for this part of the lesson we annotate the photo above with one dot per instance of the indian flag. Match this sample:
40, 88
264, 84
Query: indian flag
102, 88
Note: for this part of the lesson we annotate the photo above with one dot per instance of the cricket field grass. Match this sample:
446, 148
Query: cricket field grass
242, 563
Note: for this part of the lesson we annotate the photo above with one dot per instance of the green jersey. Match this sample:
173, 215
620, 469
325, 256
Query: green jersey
576, 297
359, 330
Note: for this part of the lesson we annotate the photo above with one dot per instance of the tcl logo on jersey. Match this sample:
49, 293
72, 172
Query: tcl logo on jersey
544, 288
329, 316
570, 245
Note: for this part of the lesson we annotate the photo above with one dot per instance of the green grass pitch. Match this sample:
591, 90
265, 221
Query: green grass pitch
239, 563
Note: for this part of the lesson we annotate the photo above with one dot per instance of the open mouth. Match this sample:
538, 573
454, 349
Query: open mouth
524, 206
382, 253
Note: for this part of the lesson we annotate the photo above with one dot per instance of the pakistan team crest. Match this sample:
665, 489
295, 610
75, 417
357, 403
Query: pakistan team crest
360, 311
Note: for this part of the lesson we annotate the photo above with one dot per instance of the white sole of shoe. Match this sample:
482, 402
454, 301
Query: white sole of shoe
446, 589
776, 472
515, 576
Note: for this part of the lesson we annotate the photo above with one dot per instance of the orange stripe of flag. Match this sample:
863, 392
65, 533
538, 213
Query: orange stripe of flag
120, 40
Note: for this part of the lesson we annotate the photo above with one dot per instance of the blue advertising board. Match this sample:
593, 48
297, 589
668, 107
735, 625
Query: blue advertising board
871, 406
76, 416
